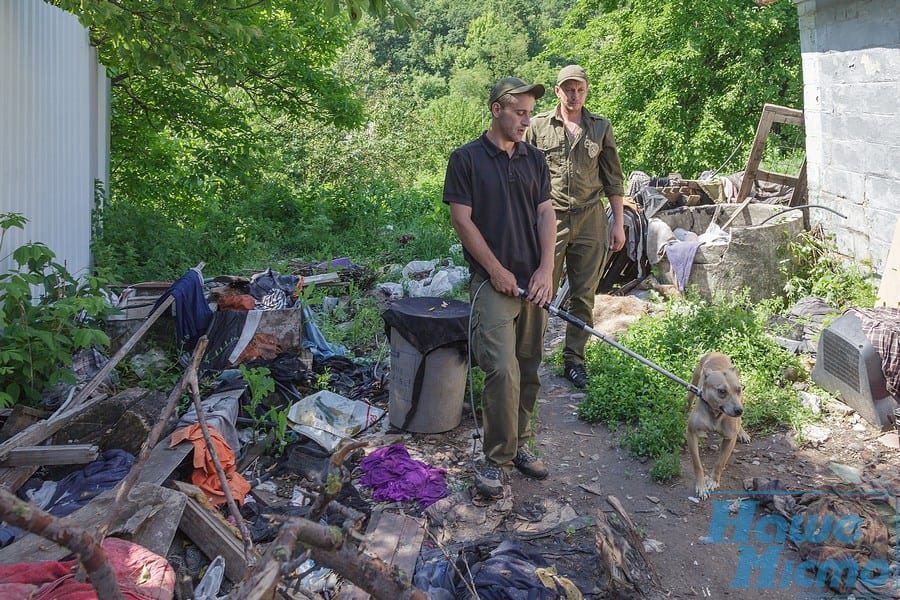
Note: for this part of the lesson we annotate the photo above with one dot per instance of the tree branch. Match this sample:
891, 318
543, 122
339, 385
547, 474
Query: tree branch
152, 439
26, 516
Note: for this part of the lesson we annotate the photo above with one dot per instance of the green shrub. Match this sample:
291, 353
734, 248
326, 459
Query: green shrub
653, 407
45, 317
817, 269
666, 467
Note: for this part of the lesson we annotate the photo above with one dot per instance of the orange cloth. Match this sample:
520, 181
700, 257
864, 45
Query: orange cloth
237, 302
204, 475
263, 346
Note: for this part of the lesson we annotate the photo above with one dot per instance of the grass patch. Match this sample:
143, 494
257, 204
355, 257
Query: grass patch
652, 408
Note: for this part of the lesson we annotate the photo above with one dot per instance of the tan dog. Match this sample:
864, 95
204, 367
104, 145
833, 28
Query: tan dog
719, 411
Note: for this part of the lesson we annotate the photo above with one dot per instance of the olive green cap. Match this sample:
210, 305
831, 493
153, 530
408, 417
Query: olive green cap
571, 72
514, 85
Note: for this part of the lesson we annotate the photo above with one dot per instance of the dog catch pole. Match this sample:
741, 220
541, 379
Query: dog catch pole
581, 324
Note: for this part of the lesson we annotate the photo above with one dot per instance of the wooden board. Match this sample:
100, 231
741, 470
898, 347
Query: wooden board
210, 532
37, 456
21, 419
394, 538
149, 518
889, 292
164, 460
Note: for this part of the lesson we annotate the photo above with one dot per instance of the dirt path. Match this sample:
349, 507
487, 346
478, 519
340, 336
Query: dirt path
587, 464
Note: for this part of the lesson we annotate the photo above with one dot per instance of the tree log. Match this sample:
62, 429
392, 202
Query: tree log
629, 573
26, 516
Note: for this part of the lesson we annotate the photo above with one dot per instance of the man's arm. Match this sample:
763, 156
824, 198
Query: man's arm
617, 233
540, 287
501, 278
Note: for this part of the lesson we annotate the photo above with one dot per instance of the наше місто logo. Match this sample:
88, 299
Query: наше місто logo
842, 541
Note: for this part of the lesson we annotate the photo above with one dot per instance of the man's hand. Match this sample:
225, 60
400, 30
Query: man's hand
617, 233
617, 237
540, 287
504, 281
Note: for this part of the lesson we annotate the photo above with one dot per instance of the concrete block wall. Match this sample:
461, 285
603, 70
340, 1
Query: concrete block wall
851, 83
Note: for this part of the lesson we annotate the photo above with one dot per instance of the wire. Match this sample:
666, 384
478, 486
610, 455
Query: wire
778, 214
727, 160
476, 435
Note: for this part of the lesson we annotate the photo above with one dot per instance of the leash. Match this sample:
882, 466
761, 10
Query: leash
553, 310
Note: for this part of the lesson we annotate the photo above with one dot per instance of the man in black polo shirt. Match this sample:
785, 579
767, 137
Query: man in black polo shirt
498, 189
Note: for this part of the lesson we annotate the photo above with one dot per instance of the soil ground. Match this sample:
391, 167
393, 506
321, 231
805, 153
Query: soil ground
587, 464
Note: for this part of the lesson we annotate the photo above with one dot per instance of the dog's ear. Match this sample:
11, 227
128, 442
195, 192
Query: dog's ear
704, 377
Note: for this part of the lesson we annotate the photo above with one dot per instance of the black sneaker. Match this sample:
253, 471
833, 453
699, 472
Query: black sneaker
577, 375
529, 464
489, 480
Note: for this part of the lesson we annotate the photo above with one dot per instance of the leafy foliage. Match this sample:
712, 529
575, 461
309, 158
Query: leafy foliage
819, 270
266, 418
682, 82
249, 132
45, 317
653, 407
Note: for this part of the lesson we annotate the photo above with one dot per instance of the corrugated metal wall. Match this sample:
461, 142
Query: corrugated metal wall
54, 129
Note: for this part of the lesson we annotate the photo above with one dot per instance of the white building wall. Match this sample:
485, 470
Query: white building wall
54, 132
851, 80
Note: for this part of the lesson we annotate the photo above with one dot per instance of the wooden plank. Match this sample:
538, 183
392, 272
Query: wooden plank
36, 456
12, 478
41, 430
889, 290
321, 278
21, 419
149, 518
779, 178
211, 533
164, 460
394, 538
784, 114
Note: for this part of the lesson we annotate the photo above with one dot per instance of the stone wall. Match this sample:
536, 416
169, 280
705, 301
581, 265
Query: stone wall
851, 80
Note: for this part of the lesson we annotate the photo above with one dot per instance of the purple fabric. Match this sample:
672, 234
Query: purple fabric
681, 257
336, 263
398, 478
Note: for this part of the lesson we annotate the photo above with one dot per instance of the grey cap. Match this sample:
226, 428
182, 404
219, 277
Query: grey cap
571, 72
514, 85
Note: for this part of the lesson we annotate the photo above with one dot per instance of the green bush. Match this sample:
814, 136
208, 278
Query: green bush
45, 317
652, 407
817, 269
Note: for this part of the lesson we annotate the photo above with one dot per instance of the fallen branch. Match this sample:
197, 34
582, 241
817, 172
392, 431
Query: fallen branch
369, 573
210, 447
153, 438
629, 573
26, 516
334, 479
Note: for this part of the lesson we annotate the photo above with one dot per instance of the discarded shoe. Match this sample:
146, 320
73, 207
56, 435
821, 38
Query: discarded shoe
577, 375
529, 464
489, 480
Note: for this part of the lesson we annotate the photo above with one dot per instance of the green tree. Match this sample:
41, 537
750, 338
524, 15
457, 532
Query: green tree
197, 89
682, 82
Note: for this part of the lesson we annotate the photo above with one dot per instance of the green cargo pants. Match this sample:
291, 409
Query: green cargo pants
582, 241
507, 343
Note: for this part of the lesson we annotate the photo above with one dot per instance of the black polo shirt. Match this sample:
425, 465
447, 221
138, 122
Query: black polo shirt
504, 193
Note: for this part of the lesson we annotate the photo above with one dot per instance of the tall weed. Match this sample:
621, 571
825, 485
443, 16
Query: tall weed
818, 270
652, 407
